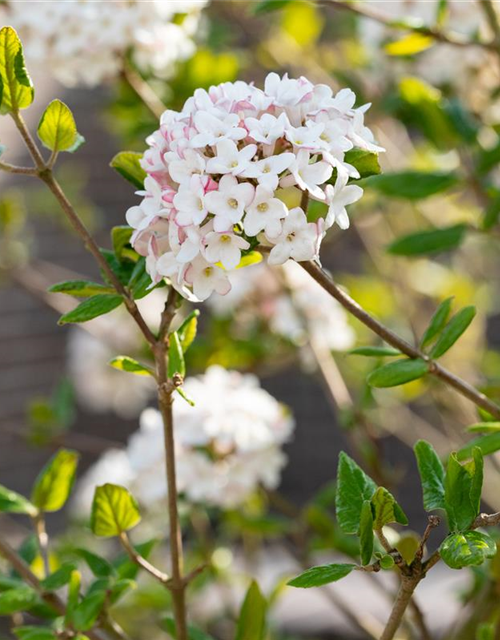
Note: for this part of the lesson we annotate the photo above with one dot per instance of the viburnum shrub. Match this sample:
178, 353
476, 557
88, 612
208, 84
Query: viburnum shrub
226, 180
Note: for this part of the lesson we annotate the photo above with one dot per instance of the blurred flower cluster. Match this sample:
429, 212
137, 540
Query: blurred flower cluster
85, 42
216, 171
226, 446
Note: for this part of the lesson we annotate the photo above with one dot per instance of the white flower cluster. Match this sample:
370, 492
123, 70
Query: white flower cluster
300, 312
218, 171
85, 42
226, 446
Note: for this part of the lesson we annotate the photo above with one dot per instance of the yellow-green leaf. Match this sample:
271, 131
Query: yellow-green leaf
16, 88
57, 128
124, 363
114, 510
409, 45
54, 484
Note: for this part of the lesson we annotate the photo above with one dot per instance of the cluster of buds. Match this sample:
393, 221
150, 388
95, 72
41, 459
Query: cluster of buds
222, 170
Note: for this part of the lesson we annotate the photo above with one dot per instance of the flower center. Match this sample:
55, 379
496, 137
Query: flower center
207, 271
262, 207
291, 236
225, 238
234, 164
200, 204
233, 203
266, 169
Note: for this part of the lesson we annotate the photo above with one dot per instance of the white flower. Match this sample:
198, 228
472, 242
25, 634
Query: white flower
298, 239
307, 137
267, 171
229, 159
191, 163
265, 214
337, 198
309, 176
212, 129
266, 129
190, 202
206, 278
285, 91
225, 248
229, 202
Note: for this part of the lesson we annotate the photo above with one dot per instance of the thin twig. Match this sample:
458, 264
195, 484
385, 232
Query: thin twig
142, 562
438, 34
42, 540
144, 91
434, 368
10, 168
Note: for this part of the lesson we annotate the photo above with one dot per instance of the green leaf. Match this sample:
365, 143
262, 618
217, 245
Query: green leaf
375, 352
485, 631
120, 588
324, 574
483, 427
366, 533
386, 509
59, 578
92, 308
12, 502
193, 632
467, 549
19, 599
353, 488
366, 162
124, 363
412, 185
409, 45
86, 613
185, 397
16, 88
53, 485
425, 242
114, 510
437, 322
187, 330
453, 330
34, 633
491, 214
176, 364
432, 475
128, 570
396, 373
80, 288
407, 546
73, 595
463, 484
120, 237
266, 6
252, 619
57, 128
99, 566
127, 164
387, 562
140, 282
487, 444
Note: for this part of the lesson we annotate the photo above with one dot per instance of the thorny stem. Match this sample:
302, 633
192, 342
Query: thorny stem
454, 39
177, 584
435, 369
52, 599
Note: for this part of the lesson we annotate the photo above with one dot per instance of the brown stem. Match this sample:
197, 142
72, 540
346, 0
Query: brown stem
142, 562
43, 541
432, 523
486, 520
52, 599
45, 174
10, 168
403, 599
454, 39
492, 18
144, 91
435, 369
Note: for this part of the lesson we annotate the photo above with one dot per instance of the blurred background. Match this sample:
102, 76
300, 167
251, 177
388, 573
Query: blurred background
427, 229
